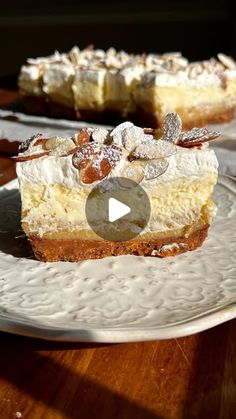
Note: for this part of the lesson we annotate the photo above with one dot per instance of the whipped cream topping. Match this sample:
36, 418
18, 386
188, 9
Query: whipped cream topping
171, 170
57, 81
168, 69
30, 80
186, 163
180, 78
126, 151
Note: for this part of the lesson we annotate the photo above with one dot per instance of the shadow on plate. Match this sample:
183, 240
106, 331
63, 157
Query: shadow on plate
12, 239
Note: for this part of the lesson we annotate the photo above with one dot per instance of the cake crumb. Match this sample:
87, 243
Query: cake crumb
18, 414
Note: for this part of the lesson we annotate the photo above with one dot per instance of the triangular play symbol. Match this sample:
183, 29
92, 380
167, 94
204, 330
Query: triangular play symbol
116, 209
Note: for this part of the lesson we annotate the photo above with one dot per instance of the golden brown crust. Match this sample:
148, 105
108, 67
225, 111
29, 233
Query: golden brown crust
90, 115
198, 118
190, 117
75, 250
215, 117
58, 110
35, 105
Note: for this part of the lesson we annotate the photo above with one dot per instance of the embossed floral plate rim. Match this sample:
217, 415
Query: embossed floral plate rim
201, 322
207, 321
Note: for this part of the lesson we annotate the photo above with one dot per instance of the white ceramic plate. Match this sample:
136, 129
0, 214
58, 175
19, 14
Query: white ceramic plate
121, 299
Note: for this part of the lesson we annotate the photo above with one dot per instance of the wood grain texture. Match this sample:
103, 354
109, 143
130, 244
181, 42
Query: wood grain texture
7, 169
190, 378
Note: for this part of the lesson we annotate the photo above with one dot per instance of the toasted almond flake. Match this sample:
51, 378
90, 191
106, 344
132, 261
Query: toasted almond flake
61, 150
93, 171
227, 61
39, 141
53, 142
83, 137
133, 171
196, 136
95, 161
133, 136
154, 169
149, 131
100, 135
192, 134
156, 149
116, 133
172, 126
111, 152
59, 146
23, 158
29, 142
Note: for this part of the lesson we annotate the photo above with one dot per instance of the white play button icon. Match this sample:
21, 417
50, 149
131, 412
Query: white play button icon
116, 209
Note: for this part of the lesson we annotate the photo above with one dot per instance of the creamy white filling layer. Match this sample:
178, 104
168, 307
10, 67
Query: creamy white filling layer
29, 80
89, 88
189, 163
58, 79
182, 78
53, 208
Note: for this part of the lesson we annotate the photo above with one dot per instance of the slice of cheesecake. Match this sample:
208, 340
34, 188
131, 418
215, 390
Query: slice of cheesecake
93, 84
98, 85
176, 169
200, 92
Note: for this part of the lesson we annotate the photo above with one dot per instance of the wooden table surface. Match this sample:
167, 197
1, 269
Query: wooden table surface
191, 377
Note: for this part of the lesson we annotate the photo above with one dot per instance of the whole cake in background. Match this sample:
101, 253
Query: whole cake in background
177, 170
96, 85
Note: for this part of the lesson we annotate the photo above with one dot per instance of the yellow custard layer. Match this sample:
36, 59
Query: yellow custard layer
189, 102
175, 206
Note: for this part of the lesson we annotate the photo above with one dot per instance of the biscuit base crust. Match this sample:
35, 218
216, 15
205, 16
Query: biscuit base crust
199, 117
52, 250
190, 117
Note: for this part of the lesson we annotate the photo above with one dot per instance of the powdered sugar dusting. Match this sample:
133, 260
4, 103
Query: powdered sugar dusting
132, 136
97, 152
196, 136
154, 169
172, 127
23, 147
156, 149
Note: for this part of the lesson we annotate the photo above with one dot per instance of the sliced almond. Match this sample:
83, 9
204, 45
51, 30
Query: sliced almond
95, 161
172, 126
149, 131
62, 149
154, 150
133, 171
53, 142
59, 146
100, 135
84, 153
83, 137
88, 151
227, 61
93, 171
154, 169
116, 133
39, 141
30, 156
131, 137
31, 141
196, 136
